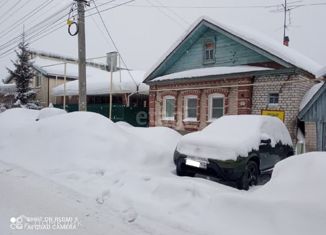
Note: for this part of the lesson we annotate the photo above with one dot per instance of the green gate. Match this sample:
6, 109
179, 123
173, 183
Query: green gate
136, 116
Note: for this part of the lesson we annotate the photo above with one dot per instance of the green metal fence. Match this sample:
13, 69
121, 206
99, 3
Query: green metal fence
136, 116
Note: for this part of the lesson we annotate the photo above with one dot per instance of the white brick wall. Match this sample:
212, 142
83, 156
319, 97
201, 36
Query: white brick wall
291, 90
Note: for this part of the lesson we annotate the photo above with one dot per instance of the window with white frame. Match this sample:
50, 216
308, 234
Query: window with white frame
209, 51
215, 106
168, 107
191, 108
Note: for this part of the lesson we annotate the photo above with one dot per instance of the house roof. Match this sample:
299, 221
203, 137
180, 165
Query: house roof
310, 97
203, 72
278, 52
321, 73
98, 83
49, 67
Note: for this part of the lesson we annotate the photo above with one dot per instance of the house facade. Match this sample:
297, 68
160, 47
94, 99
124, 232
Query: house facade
215, 70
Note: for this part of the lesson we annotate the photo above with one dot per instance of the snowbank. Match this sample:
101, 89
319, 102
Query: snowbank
121, 179
49, 112
231, 136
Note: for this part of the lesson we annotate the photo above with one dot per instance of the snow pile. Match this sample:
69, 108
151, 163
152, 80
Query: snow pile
79, 139
288, 180
310, 94
231, 136
122, 177
49, 112
210, 72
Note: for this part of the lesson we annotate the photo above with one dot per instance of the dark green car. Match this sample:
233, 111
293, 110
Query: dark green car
234, 148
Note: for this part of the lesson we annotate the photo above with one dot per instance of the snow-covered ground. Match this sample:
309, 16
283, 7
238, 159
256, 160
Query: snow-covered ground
118, 179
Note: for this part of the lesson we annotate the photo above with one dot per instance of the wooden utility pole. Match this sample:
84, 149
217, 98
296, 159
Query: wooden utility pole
82, 55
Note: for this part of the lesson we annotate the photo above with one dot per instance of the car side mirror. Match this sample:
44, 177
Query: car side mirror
265, 142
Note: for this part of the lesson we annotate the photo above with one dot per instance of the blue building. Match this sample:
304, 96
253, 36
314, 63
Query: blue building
313, 112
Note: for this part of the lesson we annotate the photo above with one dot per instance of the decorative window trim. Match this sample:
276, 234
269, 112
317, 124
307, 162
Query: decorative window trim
186, 118
164, 117
211, 60
210, 105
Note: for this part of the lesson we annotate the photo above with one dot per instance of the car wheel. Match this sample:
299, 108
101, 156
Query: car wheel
250, 176
183, 172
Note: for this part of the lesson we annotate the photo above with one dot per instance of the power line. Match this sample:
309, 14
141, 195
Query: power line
221, 7
114, 44
14, 11
175, 13
4, 4
49, 21
203, 7
34, 31
17, 23
41, 30
164, 13
115, 6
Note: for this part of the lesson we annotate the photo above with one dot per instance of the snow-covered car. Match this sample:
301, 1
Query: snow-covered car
234, 148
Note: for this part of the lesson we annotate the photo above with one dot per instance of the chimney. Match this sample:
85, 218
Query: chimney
286, 41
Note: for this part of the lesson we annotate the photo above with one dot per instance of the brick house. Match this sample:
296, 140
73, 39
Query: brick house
216, 70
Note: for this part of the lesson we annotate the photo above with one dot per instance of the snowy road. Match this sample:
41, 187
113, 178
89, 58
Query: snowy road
24, 193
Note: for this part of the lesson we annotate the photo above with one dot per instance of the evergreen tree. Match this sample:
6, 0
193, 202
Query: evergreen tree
23, 75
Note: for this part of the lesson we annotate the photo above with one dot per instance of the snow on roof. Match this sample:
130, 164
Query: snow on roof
321, 72
231, 136
55, 67
97, 80
310, 94
210, 72
256, 38
7, 88
98, 83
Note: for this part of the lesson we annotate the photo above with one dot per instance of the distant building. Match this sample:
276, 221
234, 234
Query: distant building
215, 70
313, 114
7, 97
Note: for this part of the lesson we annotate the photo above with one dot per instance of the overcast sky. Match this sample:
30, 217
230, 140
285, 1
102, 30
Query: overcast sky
143, 31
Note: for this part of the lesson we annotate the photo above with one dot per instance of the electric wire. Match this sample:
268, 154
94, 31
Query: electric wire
32, 33
17, 23
114, 44
167, 15
14, 11
48, 22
